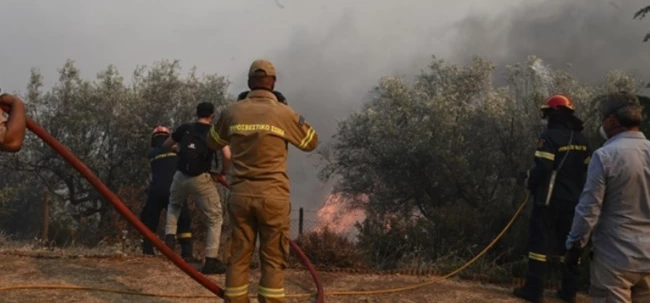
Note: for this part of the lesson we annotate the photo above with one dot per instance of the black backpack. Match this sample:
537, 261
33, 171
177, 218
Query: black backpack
277, 94
195, 156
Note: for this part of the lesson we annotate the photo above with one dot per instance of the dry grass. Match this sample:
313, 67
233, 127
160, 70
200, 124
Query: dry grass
36, 248
327, 249
25, 265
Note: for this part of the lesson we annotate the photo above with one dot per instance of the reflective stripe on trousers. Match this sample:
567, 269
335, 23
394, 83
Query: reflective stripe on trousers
268, 218
536, 257
184, 236
233, 292
271, 292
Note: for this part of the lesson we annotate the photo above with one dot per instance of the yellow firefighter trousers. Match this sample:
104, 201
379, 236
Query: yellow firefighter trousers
270, 218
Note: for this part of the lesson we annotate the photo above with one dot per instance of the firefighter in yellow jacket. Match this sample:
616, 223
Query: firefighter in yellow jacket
257, 129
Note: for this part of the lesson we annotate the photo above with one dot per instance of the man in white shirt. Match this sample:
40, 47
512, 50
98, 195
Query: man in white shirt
614, 207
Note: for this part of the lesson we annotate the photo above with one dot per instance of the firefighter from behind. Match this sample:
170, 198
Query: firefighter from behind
257, 129
193, 178
555, 183
163, 167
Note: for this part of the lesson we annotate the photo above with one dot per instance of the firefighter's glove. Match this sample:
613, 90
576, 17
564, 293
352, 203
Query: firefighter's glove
522, 179
572, 255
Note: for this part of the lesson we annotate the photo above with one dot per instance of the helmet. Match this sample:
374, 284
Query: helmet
161, 130
555, 102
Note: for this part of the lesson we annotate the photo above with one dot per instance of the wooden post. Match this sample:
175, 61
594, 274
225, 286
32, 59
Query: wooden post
45, 220
301, 218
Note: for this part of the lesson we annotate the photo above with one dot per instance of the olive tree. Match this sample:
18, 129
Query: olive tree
438, 157
107, 123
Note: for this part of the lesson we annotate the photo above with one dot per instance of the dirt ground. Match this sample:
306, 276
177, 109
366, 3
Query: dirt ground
157, 275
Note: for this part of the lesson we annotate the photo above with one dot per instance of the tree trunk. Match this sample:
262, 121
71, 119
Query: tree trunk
45, 220
107, 228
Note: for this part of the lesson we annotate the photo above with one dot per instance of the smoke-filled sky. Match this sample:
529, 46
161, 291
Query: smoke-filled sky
594, 36
329, 54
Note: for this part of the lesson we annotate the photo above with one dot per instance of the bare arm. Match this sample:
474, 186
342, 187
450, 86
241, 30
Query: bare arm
226, 160
218, 137
176, 137
15, 127
169, 142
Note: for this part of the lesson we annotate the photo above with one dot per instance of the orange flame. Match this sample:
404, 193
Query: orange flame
337, 216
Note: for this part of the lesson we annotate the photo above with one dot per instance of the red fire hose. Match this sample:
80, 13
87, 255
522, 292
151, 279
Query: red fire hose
135, 222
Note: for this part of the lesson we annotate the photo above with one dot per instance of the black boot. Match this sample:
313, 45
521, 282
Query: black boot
170, 241
570, 282
527, 295
147, 248
533, 290
213, 266
569, 297
186, 250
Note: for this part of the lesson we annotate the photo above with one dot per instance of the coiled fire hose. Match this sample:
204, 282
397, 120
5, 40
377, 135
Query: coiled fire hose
135, 222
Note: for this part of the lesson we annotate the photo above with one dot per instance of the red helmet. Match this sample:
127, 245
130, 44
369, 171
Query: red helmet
161, 130
556, 101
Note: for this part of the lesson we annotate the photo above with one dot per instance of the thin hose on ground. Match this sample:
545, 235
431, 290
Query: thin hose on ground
304, 295
134, 221
451, 274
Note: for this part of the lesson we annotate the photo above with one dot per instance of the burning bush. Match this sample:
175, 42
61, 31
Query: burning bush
329, 249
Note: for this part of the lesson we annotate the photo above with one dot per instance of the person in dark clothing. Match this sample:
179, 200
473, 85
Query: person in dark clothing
163, 166
556, 181
193, 178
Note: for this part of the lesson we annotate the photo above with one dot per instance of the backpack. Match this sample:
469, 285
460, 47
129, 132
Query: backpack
195, 155
277, 94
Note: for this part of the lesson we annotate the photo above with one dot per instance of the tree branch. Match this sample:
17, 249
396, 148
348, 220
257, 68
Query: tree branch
82, 200
642, 12
640, 15
86, 213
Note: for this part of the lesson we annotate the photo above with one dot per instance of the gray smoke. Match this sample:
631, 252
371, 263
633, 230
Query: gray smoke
328, 77
329, 54
594, 36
